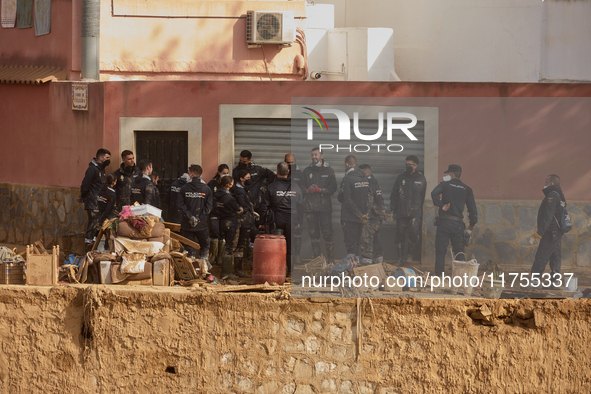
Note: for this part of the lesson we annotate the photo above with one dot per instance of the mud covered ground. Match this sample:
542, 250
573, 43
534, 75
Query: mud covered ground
89, 339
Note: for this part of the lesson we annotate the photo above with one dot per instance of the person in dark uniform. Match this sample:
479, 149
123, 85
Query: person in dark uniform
320, 184
174, 213
406, 201
216, 250
370, 241
228, 211
260, 177
155, 178
549, 232
357, 200
125, 175
246, 220
92, 184
295, 174
143, 190
195, 202
451, 196
284, 200
107, 200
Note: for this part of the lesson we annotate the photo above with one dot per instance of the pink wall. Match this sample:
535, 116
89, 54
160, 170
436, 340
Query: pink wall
46, 142
22, 47
506, 148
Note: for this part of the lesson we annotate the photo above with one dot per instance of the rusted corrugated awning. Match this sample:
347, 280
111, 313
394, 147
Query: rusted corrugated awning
31, 74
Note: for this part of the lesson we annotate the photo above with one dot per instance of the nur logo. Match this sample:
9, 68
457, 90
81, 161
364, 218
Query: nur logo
344, 123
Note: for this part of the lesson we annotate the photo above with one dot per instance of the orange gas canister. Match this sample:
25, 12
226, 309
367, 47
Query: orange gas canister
268, 263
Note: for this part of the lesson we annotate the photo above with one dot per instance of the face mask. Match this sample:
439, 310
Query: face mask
242, 166
247, 182
319, 163
106, 163
447, 178
289, 166
408, 169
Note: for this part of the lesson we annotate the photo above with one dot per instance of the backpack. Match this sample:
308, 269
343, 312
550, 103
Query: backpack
565, 224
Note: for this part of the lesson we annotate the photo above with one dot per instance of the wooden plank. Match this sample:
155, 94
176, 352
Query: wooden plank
98, 239
173, 226
40, 247
184, 240
231, 288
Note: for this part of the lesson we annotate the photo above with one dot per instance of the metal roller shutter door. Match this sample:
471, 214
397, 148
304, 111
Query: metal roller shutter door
270, 139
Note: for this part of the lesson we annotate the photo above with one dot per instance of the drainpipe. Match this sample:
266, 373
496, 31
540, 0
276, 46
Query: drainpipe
90, 39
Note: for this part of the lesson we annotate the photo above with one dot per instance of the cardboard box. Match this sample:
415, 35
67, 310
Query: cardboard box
146, 208
370, 270
42, 269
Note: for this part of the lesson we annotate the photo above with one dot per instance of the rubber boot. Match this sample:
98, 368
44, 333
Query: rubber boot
329, 253
238, 259
316, 251
213, 250
227, 267
221, 251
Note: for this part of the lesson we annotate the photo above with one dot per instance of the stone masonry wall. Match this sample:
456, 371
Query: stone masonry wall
31, 213
504, 228
91, 339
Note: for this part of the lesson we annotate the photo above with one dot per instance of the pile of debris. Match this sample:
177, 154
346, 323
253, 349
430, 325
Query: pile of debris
132, 249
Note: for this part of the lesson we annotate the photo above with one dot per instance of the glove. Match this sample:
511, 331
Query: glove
364, 219
389, 218
194, 221
312, 189
317, 189
257, 216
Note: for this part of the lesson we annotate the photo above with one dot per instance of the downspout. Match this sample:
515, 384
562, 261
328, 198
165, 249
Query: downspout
89, 64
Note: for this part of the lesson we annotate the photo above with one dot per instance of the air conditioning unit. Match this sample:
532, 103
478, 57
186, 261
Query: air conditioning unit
270, 27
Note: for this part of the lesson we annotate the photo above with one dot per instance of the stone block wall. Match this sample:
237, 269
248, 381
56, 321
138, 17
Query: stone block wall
504, 228
90, 339
32, 213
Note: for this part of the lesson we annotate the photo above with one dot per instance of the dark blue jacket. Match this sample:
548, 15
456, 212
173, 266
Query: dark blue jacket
93, 182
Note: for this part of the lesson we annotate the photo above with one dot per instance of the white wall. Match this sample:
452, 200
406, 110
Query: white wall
480, 40
347, 54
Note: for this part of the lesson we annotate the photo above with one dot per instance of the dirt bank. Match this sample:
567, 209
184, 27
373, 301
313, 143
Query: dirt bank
97, 339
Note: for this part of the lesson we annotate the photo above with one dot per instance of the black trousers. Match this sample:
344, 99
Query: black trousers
352, 233
200, 236
229, 232
320, 223
448, 230
214, 227
91, 230
408, 226
283, 222
549, 250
